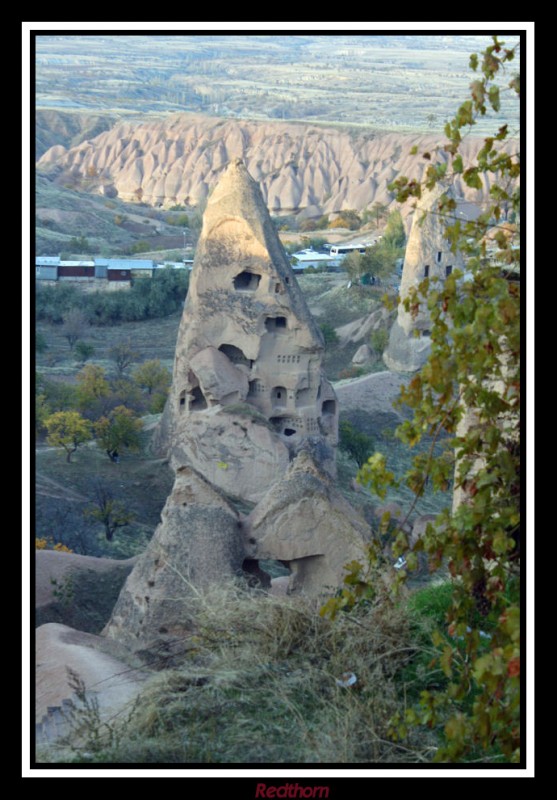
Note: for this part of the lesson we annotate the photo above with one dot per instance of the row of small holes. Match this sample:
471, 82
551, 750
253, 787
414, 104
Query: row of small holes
288, 359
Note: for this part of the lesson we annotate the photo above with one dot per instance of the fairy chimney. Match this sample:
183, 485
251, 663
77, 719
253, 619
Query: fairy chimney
248, 392
428, 255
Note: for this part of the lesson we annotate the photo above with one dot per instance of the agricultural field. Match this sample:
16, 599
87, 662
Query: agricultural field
401, 82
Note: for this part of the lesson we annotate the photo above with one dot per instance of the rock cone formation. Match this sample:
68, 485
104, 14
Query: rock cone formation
248, 397
427, 254
248, 391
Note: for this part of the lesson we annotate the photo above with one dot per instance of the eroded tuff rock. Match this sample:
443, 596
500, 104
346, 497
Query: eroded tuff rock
304, 521
320, 170
428, 255
248, 389
198, 543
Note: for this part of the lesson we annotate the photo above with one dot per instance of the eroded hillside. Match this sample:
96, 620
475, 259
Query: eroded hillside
178, 160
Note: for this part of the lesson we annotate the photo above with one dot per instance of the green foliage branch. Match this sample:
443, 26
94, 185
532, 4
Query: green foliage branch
467, 396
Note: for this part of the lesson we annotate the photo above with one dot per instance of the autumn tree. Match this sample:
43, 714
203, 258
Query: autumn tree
466, 399
92, 387
68, 430
152, 376
119, 430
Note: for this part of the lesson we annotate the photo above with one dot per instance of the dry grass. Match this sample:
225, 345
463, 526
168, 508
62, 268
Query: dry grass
258, 685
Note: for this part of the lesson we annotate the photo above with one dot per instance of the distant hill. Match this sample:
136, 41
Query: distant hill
298, 166
67, 128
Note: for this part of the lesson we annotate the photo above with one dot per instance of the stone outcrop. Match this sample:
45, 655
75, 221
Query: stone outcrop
198, 543
79, 591
107, 680
305, 522
248, 389
428, 255
363, 355
299, 167
359, 329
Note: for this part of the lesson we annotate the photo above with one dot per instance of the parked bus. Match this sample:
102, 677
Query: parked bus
341, 250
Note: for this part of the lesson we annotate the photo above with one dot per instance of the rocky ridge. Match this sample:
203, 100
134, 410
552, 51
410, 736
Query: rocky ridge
298, 167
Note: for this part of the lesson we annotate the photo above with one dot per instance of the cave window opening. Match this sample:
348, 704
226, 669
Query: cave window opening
246, 281
275, 324
289, 432
182, 400
278, 396
198, 402
426, 271
439, 256
287, 279
328, 407
235, 355
448, 271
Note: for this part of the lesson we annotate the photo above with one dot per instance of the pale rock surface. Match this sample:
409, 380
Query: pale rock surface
427, 254
304, 521
363, 355
240, 455
198, 543
248, 338
108, 680
323, 170
359, 329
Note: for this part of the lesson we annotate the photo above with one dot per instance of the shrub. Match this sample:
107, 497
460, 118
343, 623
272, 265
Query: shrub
329, 333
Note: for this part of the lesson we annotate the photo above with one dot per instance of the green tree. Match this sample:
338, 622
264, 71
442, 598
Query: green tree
152, 377
378, 261
179, 221
123, 354
377, 212
358, 445
379, 340
42, 412
68, 430
394, 234
118, 430
83, 351
329, 333
467, 398
79, 244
